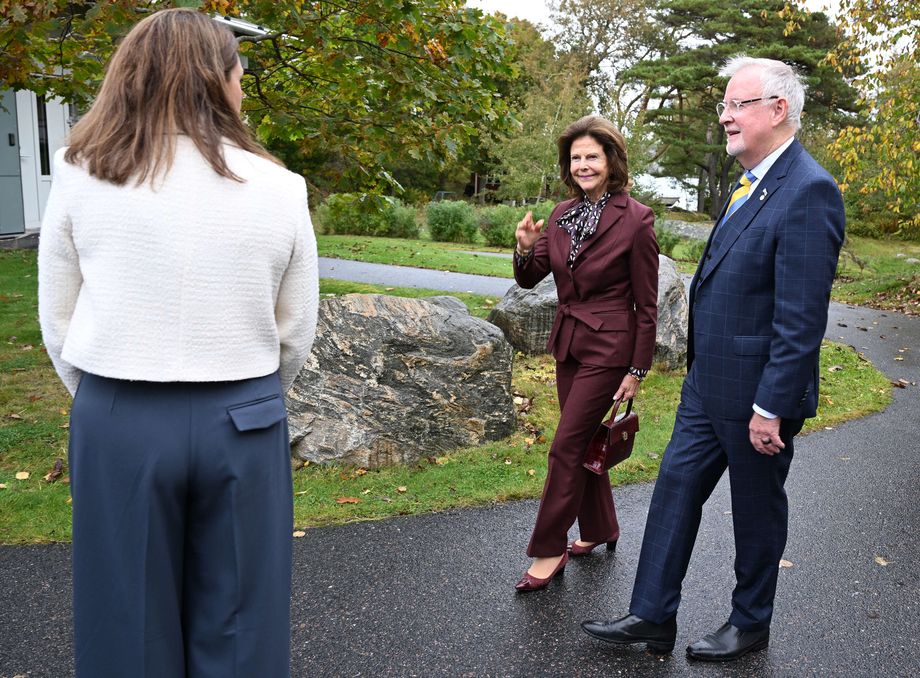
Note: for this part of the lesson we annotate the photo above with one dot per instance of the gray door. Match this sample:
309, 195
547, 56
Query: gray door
12, 219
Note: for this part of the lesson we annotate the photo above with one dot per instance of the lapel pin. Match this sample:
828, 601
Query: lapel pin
764, 194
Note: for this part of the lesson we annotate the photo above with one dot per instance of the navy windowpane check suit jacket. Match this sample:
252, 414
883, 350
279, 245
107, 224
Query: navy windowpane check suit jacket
758, 301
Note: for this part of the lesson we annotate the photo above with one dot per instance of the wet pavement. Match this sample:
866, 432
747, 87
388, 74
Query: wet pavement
433, 595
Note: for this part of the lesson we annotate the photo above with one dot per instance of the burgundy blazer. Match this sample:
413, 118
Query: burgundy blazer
608, 301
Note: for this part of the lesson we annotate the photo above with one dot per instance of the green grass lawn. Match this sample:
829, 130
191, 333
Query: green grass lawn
34, 410
870, 273
418, 253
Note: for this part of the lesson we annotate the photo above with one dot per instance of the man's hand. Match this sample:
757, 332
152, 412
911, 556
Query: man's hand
764, 435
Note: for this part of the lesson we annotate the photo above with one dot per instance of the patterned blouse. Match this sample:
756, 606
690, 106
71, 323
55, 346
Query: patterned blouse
581, 221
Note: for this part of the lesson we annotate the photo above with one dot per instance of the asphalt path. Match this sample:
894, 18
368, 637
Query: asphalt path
406, 276
433, 595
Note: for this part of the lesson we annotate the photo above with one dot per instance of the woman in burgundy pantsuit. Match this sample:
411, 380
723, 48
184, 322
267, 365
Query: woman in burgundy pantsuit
600, 247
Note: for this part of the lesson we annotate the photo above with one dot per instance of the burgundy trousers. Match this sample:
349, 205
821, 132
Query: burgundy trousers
585, 396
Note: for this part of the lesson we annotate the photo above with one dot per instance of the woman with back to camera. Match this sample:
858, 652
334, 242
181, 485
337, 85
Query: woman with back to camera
600, 247
177, 297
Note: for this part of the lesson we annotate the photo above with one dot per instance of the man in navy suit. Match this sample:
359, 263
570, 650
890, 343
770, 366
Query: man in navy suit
758, 311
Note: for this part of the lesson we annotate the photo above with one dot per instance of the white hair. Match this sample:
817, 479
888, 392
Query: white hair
776, 79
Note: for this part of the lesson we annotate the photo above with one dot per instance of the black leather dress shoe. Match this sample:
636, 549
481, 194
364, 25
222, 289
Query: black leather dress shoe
728, 643
631, 629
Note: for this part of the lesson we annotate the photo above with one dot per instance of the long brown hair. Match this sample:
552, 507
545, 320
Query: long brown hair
167, 77
608, 136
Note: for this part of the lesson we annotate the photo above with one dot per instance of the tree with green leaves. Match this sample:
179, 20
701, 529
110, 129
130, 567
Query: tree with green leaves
605, 38
342, 90
878, 151
549, 95
685, 84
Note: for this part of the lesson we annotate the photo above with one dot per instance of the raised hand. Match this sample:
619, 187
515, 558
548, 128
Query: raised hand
527, 233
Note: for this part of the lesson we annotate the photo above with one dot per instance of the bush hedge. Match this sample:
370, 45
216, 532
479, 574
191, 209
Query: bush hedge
667, 241
354, 214
452, 221
498, 224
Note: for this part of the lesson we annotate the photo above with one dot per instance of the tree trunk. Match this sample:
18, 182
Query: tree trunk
701, 191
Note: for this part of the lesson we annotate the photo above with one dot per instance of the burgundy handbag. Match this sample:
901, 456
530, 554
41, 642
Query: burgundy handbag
613, 441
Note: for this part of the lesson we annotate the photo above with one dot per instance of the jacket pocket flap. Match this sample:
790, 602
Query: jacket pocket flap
258, 414
617, 321
751, 345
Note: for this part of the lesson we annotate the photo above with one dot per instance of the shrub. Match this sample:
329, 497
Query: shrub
695, 249
498, 224
451, 221
667, 240
541, 210
354, 214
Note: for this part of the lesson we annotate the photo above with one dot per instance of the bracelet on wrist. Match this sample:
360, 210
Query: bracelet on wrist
637, 374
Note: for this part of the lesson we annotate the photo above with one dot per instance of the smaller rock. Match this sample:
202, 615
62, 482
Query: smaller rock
448, 303
912, 260
686, 229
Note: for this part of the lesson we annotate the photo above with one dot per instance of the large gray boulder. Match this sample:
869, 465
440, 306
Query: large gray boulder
526, 316
673, 314
393, 380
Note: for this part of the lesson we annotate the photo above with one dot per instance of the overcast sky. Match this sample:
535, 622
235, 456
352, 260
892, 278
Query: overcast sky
537, 11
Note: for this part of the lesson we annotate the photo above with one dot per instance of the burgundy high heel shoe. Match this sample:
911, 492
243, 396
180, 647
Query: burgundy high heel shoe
576, 550
530, 583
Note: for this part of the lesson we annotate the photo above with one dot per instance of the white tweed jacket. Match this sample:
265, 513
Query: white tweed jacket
194, 278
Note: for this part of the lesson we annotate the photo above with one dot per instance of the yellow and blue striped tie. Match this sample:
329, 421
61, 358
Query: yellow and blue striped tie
740, 195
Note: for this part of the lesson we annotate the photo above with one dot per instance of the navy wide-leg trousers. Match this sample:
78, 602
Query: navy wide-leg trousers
182, 518
700, 449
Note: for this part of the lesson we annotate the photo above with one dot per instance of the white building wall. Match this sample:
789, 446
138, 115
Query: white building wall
36, 184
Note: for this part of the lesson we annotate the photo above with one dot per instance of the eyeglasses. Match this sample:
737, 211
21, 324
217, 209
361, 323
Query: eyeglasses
736, 106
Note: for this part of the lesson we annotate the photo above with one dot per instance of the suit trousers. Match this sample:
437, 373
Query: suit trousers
700, 449
585, 395
182, 520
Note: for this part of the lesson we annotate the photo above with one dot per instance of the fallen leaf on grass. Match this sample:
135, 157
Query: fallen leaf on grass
360, 471
882, 561
366, 492
402, 489
56, 471
14, 416
347, 500
22, 475
531, 472
299, 533
785, 563
2, 486
34, 398
834, 368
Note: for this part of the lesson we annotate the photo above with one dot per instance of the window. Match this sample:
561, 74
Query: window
43, 151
